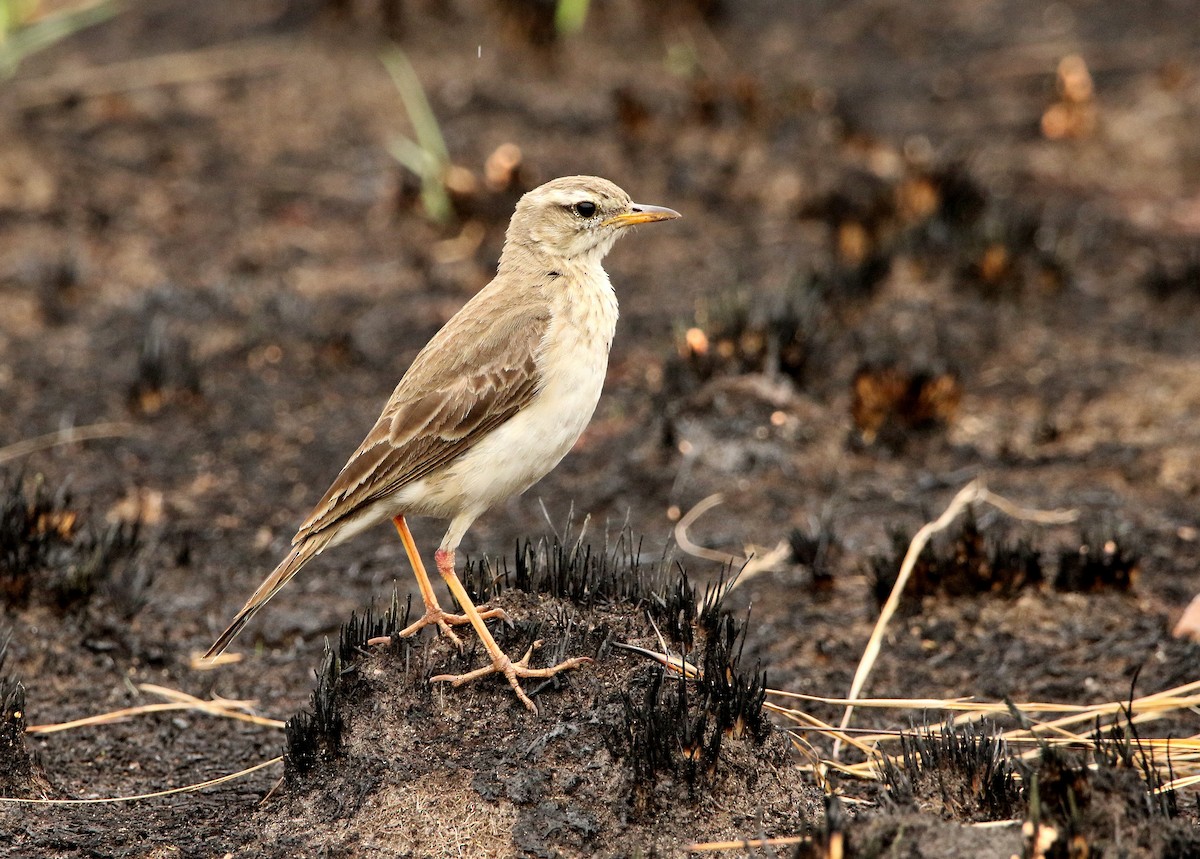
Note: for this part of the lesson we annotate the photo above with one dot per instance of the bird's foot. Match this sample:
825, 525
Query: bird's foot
444, 620
501, 664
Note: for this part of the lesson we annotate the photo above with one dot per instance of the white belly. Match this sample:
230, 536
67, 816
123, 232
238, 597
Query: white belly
524, 449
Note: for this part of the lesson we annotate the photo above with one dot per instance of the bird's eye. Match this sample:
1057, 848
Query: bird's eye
585, 209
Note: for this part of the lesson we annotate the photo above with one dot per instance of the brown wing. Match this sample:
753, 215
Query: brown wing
475, 374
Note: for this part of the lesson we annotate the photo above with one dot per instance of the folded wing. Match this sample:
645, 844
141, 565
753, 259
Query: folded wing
438, 412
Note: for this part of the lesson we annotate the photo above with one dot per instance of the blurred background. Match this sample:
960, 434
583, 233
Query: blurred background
921, 243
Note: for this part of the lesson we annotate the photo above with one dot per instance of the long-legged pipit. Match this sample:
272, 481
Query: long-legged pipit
491, 404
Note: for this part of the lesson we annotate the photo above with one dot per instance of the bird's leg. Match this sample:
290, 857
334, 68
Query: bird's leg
501, 664
433, 611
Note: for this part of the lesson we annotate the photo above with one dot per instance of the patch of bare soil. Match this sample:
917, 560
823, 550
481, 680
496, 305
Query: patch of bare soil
625, 758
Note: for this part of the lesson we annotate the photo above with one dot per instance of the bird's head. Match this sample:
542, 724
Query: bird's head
577, 216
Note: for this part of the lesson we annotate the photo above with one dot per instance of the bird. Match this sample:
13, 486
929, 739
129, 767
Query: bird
487, 408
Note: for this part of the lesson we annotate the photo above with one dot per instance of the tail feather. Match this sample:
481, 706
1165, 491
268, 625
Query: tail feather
300, 555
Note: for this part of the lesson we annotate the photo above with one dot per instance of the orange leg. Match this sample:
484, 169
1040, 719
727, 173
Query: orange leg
501, 664
433, 611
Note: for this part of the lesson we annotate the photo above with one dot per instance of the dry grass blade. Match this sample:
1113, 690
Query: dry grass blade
225, 708
190, 788
176, 700
809, 721
965, 703
674, 663
748, 844
1180, 783
1180, 757
199, 662
70, 435
978, 709
748, 566
171, 69
108, 718
688, 519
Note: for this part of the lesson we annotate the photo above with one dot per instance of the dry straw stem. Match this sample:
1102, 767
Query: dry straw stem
176, 700
199, 662
239, 59
190, 788
748, 566
1178, 756
973, 492
69, 435
748, 844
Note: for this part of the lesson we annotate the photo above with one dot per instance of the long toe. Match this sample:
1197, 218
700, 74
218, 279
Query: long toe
443, 621
514, 671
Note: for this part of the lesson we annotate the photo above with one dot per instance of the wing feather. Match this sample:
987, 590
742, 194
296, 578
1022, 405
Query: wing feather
443, 406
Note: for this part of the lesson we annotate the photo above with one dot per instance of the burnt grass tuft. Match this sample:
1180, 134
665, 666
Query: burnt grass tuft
741, 332
968, 562
966, 774
46, 555
963, 564
816, 549
1085, 802
166, 372
1107, 798
676, 727
1103, 561
891, 403
313, 737
16, 766
571, 570
590, 577
624, 752
1175, 276
994, 247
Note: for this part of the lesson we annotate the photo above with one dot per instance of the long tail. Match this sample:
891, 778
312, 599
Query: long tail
300, 555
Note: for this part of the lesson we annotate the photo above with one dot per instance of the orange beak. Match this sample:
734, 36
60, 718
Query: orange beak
640, 214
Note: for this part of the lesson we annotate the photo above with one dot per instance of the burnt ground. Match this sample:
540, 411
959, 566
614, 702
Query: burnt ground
911, 255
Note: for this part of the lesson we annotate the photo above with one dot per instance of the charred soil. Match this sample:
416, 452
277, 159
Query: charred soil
918, 246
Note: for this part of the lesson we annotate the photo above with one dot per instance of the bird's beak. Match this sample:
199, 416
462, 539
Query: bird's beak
640, 214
